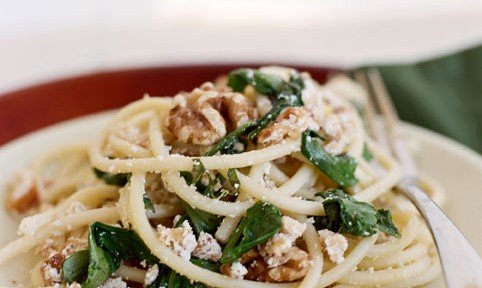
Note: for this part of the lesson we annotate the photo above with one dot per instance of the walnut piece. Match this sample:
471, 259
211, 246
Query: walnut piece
205, 115
278, 260
23, 194
289, 124
275, 250
295, 268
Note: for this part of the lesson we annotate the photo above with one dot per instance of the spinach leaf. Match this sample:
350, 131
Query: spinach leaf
340, 169
119, 179
148, 203
346, 215
108, 246
75, 267
170, 278
198, 170
288, 96
263, 83
206, 264
226, 145
282, 94
214, 188
367, 154
233, 179
201, 220
262, 221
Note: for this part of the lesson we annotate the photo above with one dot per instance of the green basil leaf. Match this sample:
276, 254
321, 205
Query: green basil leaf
201, 221
340, 169
367, 154
75, 267
262, 221
119, 179
346, 215
148, 203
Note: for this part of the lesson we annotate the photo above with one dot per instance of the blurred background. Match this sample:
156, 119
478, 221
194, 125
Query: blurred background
429, 51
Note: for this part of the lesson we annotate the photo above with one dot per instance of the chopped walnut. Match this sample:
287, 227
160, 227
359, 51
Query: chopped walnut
275, 251
204, 116
295, 268
334, 245
207, 248
23, 194
181, 240
289, 124
234, 270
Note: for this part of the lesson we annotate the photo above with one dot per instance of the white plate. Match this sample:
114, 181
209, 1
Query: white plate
457, 168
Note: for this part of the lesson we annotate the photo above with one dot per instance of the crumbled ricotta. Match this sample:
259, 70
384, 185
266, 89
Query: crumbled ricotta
181, 240
334, 245
275, 250
207, 248
151, 274
114, 283
236, 270
51, 274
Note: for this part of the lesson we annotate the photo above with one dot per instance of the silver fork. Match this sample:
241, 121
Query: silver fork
461, 264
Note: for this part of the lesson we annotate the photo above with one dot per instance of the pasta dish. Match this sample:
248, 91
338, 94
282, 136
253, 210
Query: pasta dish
261, 178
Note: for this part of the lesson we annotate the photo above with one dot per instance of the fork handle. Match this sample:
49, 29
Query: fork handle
461, 264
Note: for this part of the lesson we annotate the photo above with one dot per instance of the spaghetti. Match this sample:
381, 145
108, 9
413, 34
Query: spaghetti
264, 179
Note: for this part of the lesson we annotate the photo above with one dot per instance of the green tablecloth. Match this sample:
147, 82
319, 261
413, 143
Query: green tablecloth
444, 95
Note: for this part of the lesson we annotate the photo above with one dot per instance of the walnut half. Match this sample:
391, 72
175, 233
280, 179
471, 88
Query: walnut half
205, 115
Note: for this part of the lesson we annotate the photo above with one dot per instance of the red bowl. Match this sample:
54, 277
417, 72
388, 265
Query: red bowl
41, 105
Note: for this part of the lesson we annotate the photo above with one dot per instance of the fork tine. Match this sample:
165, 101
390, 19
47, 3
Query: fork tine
370, 113
390, 117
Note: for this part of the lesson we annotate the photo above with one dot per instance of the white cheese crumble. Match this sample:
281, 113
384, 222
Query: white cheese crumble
334, 245
237, 270
51, 274
114, 283
151, 274
207, 248
275, 250
181, 240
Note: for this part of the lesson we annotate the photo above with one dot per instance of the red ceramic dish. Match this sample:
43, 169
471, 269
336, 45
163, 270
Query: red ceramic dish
41, 105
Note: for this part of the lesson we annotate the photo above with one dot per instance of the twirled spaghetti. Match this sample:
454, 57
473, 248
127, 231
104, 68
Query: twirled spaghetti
264, 179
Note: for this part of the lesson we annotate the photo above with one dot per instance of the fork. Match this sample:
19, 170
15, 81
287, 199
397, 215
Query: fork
461, 264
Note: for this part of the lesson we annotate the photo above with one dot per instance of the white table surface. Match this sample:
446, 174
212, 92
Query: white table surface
43, 40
